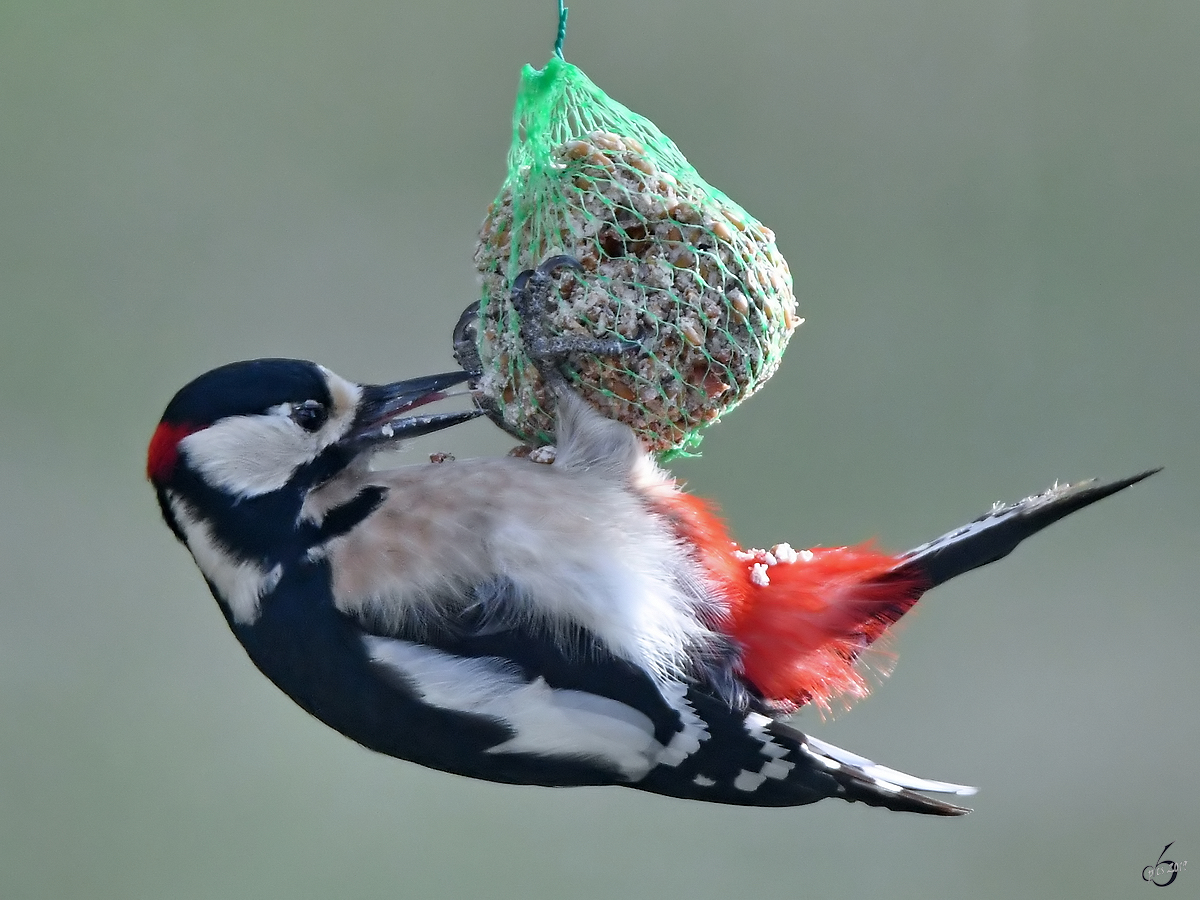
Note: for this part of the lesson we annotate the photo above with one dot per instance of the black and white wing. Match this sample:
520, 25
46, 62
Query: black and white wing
555, 709
542, 708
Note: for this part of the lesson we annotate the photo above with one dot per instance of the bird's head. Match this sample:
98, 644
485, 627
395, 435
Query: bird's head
241, 446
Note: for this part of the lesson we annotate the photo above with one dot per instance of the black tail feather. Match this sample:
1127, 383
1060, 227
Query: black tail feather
861, 780
995, 535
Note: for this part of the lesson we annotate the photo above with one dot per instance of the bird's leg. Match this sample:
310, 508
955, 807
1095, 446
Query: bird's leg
466, 341
531, 298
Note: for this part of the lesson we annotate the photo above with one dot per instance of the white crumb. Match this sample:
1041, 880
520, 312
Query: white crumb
784, 553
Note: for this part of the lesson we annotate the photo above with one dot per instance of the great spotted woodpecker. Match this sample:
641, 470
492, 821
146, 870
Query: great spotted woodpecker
584, 622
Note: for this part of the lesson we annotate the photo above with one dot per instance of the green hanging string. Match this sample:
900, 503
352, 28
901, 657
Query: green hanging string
562, 30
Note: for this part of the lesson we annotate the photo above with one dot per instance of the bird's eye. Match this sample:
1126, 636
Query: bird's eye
309, 415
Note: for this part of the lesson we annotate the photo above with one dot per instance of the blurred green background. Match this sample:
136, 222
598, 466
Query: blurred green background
992, 212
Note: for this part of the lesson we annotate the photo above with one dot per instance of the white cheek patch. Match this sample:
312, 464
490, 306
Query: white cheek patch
248, 456
546, 721
346, 396
240, 584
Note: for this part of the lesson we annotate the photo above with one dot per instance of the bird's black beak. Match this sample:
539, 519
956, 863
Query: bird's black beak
383, 411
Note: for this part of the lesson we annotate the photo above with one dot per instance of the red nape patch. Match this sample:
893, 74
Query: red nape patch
164, 450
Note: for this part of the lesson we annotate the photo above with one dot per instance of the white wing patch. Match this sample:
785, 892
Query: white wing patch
748, 781
773, 766
687, 740
546, 721
886, 778
240, 583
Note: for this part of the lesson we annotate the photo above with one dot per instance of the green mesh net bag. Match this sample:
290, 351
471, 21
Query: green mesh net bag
668, 260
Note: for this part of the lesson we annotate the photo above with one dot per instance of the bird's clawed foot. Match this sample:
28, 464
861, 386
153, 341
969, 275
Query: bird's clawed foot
466, 341
532, 293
